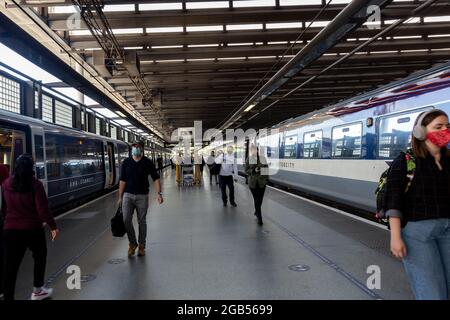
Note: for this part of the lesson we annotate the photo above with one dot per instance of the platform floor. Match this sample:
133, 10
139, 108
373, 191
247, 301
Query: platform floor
198, 249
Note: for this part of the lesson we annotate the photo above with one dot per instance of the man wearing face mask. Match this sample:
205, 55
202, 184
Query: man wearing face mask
134, 194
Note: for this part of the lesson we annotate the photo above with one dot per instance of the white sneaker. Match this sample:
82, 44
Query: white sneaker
43, 294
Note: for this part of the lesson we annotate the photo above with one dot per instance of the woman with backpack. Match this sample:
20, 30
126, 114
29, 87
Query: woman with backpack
25, 209
418, 207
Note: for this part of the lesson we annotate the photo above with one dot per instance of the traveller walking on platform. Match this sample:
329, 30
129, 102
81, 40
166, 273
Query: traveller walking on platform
257, 179
25, 209
213, 167
134, 194
418, 208
159, 161
4, 174
228, 173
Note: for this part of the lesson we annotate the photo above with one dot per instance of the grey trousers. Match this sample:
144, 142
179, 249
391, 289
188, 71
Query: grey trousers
140, 203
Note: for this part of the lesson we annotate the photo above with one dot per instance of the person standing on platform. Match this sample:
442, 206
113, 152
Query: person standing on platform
4, 174
257, 179
134, 194
198, 173
419, 215
25, 209
159, 160
213, 167
228, 173
178, 160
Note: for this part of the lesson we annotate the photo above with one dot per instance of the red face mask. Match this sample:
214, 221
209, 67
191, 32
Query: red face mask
439, 138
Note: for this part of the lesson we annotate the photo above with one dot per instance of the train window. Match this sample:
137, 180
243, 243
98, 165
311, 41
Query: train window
346, 141
123, 153
72, 163
290, 147
39, 154
394, 134
53, 158
312, 144
92, 159
6, 146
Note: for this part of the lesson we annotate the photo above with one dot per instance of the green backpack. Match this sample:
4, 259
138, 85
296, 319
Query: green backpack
381, 188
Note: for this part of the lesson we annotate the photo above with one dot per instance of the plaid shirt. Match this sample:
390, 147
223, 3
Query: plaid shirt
428, 196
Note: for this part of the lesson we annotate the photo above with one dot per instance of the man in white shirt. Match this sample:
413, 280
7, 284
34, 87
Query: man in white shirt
228, 173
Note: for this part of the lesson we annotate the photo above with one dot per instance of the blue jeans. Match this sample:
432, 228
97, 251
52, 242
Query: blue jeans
427, 261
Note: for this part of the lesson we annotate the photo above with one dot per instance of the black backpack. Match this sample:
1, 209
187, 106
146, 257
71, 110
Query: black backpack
380, 192
117, 224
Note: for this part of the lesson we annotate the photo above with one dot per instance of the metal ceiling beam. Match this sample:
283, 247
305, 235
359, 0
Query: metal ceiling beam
214, 16
267, 63
197, 38
278, 50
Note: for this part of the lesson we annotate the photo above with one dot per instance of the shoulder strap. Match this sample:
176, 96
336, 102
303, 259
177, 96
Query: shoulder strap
410, 167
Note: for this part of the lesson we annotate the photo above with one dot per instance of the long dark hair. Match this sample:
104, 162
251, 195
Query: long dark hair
419, 147
23, 174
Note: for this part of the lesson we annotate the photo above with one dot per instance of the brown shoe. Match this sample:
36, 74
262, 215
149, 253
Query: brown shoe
131, 250
141, 250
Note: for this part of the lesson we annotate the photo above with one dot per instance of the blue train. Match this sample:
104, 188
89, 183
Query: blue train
338, 153
73, 165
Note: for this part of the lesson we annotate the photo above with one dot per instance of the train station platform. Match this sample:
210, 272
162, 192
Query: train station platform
198, 249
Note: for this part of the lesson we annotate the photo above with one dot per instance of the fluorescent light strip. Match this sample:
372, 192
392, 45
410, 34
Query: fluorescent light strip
204, 28
244, 27
439, 35
202, 45
240, 44
250, 107
164, 30
166, 47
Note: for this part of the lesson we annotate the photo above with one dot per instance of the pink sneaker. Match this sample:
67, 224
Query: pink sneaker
43, 294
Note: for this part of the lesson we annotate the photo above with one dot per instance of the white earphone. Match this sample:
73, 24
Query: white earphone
419, 131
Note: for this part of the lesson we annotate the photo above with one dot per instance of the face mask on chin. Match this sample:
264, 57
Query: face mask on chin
136, 152
439, 138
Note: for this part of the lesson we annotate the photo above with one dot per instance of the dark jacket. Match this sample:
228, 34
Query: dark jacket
428, 196
256, 179
26, 210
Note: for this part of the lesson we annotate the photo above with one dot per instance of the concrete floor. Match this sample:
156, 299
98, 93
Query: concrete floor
197, 249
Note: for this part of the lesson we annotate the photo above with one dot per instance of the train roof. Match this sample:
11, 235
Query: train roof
368, 96
22, 119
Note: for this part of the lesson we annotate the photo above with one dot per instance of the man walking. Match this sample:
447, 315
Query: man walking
134, 194
228, 173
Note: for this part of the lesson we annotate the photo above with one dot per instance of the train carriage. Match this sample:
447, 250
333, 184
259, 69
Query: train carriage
71, 164
338, 153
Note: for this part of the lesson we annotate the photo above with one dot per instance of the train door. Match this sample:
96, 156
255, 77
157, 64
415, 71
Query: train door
110, 167
12, 145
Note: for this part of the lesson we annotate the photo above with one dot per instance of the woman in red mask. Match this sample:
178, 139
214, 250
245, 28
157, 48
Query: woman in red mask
419, 215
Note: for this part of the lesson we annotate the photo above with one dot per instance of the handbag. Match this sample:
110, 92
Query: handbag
117, 224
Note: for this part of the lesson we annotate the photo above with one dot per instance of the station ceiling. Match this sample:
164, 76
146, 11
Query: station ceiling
203, 60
